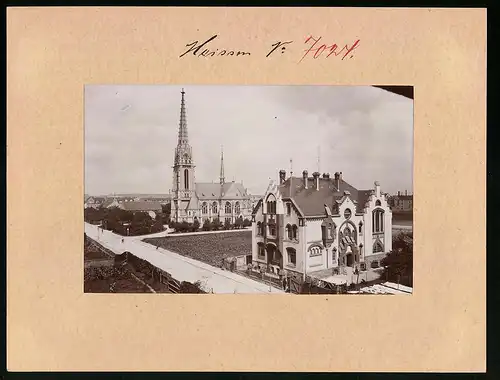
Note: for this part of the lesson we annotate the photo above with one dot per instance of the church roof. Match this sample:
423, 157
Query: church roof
229, 190
312, 202
141, 206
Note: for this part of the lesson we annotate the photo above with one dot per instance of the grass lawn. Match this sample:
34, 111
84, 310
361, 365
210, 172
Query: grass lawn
208, 248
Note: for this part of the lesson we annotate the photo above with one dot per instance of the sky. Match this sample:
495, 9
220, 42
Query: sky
131, 133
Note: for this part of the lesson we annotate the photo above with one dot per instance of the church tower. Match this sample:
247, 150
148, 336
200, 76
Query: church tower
222, 179
183, 181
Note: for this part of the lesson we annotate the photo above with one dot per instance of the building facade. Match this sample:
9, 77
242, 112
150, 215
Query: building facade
193, 200
309, 224
402, 202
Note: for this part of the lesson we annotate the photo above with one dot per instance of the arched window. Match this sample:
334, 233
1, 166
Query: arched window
186, 179
334, 254
271, 204
347, 232
228, 208
214, 208
378, 247
315, 251
237, 208
294, 231
360, 228
288, 229
378, 203
204, 208
292, 256
378, 220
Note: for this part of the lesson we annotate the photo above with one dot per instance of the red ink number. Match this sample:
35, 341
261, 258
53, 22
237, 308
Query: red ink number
316, 49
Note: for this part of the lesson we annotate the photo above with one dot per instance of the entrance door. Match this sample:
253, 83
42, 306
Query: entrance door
350, 259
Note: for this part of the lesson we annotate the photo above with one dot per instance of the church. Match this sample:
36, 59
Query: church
203, 201
307, 225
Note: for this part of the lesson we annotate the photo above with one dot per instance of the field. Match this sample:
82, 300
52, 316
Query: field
208, 248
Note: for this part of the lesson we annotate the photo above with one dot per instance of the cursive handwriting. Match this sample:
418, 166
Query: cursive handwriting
197, 52
315, 49
331, 49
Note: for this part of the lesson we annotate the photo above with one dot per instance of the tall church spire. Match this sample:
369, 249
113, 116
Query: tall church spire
222, 179
183, 133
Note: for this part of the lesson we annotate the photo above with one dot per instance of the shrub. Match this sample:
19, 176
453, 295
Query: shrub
207, 225
216, 225
247, 223
227, 224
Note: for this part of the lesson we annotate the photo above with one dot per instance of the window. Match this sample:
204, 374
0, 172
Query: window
377, 203
261, 250
360, 228
237, 208
272, 229
315, 251
214, 208
294, 232
271, 204
378, 247
271, 207
288, 230
288, 208
378, 220
334, 254
347, 213
186, 179
204, 208
228, 208
292, 256
260, 231
227, 221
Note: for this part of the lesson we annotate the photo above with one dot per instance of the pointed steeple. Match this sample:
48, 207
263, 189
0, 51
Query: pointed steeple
183, 133
222, 179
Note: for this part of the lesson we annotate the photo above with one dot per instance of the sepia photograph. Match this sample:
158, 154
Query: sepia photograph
248, 189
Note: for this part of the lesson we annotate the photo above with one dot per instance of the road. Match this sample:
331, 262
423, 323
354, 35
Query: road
180, 267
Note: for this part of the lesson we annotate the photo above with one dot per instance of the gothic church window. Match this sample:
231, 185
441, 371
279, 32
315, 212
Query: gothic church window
294, 232
237, 208
186, 179
214, 208
378, 220
228, 208
289, 231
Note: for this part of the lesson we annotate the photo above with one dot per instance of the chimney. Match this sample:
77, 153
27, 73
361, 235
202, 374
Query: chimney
337, 180
305, 178
326, 175
282, 176
399, 193
406, 192
316, 180
377, 189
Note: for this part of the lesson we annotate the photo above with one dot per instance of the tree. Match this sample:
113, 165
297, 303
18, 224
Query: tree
398, 264
227, 224
247, 223
238, 223
196, 225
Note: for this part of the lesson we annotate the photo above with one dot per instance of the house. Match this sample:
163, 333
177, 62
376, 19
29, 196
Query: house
94, 202
309, 224
203, 201
402, 202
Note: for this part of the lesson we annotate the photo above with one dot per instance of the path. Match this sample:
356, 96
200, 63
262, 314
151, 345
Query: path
169, 233
180, 267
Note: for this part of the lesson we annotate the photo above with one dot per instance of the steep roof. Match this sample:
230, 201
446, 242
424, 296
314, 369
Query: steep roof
228, 190
311, 201
141, 206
